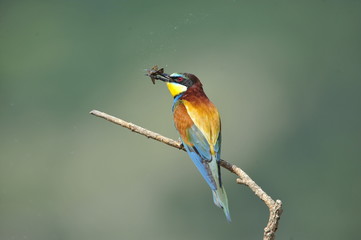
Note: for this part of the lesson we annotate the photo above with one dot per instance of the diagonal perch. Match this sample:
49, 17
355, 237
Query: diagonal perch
275, 207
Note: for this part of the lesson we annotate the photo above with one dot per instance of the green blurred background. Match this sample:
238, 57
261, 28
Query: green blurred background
285, 75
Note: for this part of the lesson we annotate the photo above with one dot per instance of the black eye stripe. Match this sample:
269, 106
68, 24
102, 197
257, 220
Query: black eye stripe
184, 81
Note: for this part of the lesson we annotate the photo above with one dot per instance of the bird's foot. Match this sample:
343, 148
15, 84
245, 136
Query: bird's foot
181, 143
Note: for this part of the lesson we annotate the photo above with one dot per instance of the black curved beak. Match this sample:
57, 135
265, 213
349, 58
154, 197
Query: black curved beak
163, 77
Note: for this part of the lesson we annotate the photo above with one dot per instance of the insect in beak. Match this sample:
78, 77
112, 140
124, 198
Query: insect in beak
157, 74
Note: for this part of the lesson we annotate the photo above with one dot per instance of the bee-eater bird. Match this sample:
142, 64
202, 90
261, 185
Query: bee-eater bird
198, 123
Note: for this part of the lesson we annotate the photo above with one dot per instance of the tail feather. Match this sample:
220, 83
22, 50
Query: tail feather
219, 193
211, 172
220, 199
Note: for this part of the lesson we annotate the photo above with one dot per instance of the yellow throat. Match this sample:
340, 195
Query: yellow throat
176, 88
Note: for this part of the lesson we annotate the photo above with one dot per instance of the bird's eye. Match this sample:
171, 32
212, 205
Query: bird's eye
179, 79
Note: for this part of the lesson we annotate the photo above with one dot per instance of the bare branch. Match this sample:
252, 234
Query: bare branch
275, 207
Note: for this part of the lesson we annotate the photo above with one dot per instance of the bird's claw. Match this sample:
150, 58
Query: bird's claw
181, 146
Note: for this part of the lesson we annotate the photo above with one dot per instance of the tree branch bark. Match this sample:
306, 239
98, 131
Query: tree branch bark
275, 207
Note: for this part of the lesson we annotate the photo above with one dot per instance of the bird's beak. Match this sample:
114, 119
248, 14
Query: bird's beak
163, 77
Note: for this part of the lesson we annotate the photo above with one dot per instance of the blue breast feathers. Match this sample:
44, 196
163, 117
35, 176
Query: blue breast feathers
175, 101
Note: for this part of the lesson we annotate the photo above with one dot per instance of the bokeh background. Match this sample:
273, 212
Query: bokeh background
285, 75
